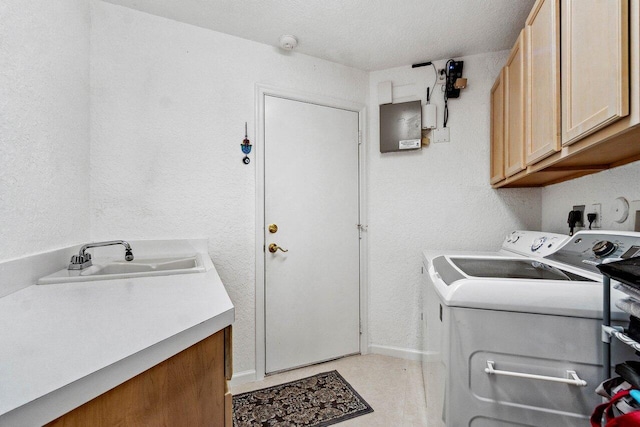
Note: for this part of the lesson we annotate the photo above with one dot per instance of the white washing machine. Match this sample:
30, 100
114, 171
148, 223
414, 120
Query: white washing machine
513, 338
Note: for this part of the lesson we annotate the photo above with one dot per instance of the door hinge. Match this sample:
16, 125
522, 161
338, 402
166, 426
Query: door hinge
361, 228
359, 137
360, 327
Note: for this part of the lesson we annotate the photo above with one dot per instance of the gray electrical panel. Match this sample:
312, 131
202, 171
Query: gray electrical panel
400, 126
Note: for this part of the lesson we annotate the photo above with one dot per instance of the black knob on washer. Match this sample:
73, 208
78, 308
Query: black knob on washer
603, 248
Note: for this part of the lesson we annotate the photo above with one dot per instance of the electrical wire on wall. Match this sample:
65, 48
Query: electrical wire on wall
433, 86
446, 97
429, 112
453, 82
435, 76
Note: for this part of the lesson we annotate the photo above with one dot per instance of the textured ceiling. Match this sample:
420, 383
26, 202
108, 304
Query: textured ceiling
365, 34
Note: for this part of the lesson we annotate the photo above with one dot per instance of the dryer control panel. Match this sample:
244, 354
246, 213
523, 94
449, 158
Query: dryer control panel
586, 249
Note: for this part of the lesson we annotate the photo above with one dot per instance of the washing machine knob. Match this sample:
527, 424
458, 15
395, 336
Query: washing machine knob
537, 244
603, 248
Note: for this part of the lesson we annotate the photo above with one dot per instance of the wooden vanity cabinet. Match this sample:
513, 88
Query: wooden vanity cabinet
514, 107
188, 389
542, 107
595, 65
497, 130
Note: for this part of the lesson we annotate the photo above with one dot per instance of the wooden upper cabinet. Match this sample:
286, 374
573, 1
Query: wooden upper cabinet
542, 107
515, 90
497, 129
595, 65
599, 124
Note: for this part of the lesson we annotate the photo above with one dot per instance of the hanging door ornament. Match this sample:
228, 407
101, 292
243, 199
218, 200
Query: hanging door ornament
246, 146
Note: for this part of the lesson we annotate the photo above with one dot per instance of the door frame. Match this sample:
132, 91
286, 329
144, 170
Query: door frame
260, 308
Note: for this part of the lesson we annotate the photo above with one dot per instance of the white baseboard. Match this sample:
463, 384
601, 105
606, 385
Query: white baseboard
399, 352
243, 377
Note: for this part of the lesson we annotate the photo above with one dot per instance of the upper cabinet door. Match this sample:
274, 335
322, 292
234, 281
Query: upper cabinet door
515, 89
542, 119
595, 65
497, 129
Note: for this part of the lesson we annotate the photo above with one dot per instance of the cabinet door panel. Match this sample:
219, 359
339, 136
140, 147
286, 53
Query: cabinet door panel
515, 90
187, 389
595, 65
543, 82
497, 129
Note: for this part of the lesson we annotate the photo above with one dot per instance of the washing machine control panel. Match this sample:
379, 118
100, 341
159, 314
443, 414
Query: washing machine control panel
533, 243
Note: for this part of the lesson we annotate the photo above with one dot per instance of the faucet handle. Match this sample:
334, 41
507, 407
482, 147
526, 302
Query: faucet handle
79, 262
79, 259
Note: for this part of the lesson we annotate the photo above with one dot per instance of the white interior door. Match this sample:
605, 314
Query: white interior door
312, 292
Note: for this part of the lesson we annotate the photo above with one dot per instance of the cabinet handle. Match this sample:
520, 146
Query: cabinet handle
572, 376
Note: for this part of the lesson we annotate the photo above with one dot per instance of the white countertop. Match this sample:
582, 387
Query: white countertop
62, 345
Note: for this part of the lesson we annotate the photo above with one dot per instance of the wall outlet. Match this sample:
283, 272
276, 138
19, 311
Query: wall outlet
440, 135
596, 208
583, 216
442, 76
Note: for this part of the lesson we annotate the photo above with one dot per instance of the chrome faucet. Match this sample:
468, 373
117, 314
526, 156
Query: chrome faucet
83, 259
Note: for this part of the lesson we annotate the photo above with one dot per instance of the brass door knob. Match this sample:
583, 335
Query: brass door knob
273, 248
273, 228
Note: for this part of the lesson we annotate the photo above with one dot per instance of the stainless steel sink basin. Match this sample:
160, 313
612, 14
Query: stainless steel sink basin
145, 265
123, 269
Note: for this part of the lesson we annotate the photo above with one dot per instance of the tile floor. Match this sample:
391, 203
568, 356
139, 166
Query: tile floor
393, 387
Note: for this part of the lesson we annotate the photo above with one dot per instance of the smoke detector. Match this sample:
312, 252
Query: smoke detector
288, 42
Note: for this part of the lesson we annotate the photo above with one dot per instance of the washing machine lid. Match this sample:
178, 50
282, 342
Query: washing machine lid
543, 295
457, 268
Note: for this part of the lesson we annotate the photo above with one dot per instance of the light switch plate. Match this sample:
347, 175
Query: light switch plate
441, 135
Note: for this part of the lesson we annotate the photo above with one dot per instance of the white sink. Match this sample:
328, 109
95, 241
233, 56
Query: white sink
122, 270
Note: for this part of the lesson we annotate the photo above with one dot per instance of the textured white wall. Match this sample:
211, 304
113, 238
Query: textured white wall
436, 198
603, 187
44, 125
169, 103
